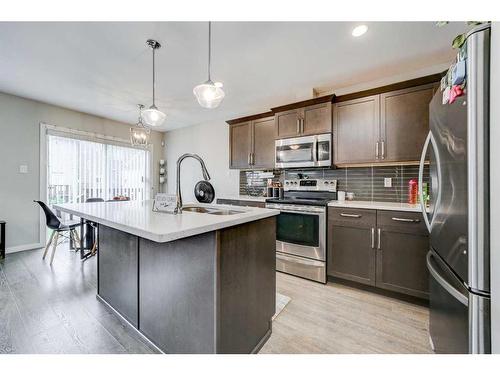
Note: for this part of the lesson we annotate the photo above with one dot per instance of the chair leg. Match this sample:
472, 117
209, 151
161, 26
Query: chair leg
76, 238
54, 247
48, 244
94, 248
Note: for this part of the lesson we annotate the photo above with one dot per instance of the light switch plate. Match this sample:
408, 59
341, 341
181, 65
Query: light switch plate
387, 182
23, 168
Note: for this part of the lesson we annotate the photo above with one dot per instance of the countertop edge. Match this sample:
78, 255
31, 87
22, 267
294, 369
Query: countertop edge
369, 205
176, 235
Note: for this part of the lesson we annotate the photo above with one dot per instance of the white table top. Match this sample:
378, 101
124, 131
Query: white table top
136, 217
391, 206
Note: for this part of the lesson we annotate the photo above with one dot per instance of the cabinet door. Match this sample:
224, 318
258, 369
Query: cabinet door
263, 143
351, 253
240, 143
287, 123
404, 123
317, 119
117, 271
356, 130
402, 247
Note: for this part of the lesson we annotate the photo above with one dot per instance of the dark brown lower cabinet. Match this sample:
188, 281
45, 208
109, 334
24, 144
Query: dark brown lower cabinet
402, 244
385, 249
351, 242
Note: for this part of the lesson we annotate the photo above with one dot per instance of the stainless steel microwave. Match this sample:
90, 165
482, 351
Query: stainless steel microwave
304, 152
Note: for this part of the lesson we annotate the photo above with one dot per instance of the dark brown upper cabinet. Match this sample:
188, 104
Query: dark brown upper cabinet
240, 144
309, 117
356, 130
251, 142
404, 122
263, 143
387, 127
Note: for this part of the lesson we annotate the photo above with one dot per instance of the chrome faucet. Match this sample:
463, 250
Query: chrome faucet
206, 176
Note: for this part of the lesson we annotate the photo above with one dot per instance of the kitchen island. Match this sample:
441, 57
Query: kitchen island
197, 282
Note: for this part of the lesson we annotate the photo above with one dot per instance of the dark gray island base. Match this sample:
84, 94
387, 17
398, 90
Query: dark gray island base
210, 293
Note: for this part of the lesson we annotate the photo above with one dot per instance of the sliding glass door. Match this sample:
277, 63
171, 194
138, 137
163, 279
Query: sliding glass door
80, 169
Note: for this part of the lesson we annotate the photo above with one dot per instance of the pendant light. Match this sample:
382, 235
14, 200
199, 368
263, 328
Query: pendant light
139, 134
152, 116
209, 94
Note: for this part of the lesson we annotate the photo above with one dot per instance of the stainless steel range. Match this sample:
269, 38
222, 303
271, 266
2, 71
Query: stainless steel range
301, 227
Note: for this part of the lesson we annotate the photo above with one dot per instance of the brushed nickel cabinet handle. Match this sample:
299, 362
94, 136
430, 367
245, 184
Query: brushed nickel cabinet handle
298, 125
383, 149
376, 151
249, 158
379, 232
350, 215
406, 220
373, 238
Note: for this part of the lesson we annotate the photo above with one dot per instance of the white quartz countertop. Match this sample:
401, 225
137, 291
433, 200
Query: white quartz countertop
391, 206
137, 218
243, 198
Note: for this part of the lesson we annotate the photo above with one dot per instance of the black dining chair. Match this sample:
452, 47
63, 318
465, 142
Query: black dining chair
59, 228
93, 233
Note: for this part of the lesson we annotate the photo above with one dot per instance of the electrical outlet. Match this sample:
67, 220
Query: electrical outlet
387, 182
23, 168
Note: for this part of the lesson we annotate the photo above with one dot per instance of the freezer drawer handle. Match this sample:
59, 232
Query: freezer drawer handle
447, 286
350, 215
406, 220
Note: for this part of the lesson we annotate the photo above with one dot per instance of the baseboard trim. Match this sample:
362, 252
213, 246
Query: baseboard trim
16, 249
124, 320
264, 339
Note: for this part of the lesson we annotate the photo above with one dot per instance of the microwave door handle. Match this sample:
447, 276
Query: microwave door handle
315, 150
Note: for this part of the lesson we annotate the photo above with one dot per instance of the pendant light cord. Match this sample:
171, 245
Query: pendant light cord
209, 47
154, 81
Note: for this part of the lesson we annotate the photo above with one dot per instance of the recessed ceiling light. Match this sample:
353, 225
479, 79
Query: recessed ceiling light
359, 30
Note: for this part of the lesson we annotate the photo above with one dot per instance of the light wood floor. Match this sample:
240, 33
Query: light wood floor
54, 310
334, 318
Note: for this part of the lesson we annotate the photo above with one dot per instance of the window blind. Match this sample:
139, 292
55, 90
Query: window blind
79, 169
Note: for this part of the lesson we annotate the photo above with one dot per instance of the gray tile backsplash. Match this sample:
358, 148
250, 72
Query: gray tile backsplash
367, 183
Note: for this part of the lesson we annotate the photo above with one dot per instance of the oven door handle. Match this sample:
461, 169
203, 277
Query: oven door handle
302, 212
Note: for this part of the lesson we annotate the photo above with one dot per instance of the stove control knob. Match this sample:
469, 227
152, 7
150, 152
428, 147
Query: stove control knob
326, 182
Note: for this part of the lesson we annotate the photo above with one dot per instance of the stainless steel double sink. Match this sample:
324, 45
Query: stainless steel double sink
211, 210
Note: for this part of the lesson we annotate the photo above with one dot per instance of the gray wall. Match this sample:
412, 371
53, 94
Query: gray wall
210, 141
19, 144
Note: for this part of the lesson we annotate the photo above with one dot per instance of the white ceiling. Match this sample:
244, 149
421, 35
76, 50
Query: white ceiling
105, 68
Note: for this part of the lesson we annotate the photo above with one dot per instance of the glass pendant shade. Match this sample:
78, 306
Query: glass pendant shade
152, 116
209, 94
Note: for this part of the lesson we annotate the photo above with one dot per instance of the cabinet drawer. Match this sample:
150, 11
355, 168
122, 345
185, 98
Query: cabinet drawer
358, 217
402, 220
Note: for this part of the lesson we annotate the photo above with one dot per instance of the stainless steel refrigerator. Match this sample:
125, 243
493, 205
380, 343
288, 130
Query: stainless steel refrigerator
457, 149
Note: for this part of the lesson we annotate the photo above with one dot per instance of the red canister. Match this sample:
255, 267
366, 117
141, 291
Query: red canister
412, 191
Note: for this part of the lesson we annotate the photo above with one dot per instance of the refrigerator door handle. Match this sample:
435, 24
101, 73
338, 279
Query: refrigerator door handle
446, 285
421, 180
432, 141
